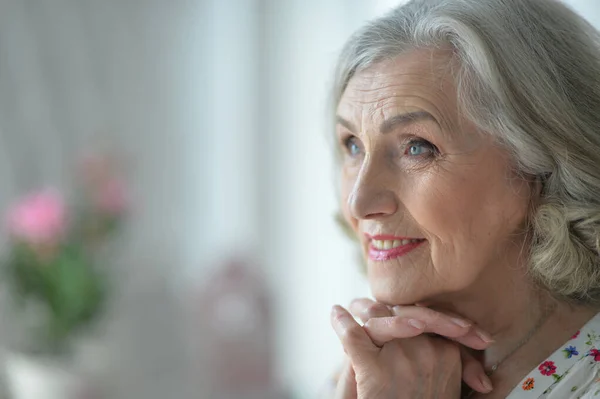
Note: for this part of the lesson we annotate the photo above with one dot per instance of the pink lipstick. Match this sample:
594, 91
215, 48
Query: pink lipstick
386, 247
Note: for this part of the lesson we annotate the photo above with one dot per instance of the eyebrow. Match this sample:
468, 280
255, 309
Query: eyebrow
391, 123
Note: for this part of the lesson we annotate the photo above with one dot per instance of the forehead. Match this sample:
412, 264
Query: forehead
416, 80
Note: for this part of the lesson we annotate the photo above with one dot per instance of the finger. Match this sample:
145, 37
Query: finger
385, 329
346, 385
472, 340
473, 373
447, 324
365, 309
477, 338
356, 342
452, 326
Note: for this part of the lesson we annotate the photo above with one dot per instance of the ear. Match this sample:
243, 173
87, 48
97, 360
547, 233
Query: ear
538, 187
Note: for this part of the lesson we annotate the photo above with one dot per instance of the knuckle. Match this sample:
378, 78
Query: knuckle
375, 309
435, 316
361, 301
397, 310
378, 323
356, 302
396, 325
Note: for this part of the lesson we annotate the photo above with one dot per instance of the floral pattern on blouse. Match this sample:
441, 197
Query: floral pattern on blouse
572, 372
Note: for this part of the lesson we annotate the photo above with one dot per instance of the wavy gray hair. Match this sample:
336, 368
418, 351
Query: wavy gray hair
528, 73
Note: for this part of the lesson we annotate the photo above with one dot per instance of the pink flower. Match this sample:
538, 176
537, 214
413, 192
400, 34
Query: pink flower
38, 219
595, 353
576, 334
547, 368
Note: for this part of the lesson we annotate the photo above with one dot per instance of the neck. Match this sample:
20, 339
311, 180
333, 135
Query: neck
510, 307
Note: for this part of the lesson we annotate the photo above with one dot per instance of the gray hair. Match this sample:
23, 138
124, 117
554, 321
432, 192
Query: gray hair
529, 74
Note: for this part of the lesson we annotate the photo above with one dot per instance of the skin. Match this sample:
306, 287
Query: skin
388, 335
430, 367
437, 178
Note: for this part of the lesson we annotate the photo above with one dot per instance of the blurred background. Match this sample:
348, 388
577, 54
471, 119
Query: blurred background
217, 112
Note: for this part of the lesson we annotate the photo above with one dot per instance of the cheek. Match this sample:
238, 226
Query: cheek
430, 202
467, 218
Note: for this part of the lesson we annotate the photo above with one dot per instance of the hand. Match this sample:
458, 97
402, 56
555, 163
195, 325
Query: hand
384, 325
417, 368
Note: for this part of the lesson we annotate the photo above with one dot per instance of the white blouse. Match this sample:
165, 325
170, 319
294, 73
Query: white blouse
572, 372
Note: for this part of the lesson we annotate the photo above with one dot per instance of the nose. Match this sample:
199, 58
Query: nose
373, 195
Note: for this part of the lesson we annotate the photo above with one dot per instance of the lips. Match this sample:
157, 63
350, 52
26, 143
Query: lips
382, 248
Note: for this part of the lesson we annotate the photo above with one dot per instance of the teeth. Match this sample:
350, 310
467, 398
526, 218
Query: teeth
389, 244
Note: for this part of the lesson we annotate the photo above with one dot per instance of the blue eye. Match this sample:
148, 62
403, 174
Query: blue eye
418, 148
352, 146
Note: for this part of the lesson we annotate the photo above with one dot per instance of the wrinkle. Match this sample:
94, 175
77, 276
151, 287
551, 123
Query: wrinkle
460, 200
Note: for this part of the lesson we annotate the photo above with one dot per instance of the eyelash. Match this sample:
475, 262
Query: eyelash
347, 141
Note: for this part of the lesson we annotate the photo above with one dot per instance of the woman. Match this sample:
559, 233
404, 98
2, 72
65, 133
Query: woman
469, 137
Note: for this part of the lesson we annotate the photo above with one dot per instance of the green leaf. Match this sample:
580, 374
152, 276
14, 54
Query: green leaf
68, 285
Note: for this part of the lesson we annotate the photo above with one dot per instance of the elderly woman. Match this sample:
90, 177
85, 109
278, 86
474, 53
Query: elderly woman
469, 137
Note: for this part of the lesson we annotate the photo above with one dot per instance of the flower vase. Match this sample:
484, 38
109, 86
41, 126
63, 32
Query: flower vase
77, 376
33, 377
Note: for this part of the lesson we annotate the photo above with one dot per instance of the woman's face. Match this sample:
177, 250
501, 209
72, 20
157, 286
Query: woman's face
434, 202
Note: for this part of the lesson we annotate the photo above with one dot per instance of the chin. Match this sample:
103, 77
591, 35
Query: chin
408, 289
395, 283
391, 293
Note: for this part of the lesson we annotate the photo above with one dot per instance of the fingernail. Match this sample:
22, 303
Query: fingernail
485, 337
336, 309
396, 310
418, 324
487, 383
461, 322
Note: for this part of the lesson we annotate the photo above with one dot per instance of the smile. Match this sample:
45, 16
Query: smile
386, 249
